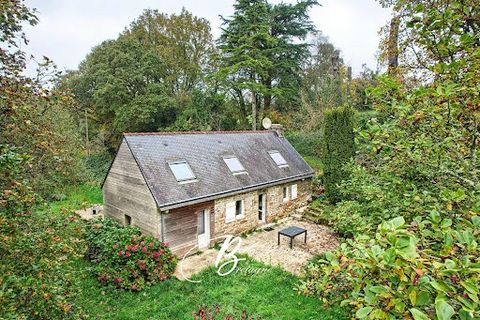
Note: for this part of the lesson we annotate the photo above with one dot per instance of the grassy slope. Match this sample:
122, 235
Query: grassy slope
78, 197
269, 295
315, 163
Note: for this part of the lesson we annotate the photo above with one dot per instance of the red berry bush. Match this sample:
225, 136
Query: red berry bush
125, 258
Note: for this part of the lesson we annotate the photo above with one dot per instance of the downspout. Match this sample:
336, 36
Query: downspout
162, 225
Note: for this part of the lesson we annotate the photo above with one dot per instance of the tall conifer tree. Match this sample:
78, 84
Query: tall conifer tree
262, 49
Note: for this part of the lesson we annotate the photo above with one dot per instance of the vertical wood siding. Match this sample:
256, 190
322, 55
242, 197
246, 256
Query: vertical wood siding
181, 224
126, 193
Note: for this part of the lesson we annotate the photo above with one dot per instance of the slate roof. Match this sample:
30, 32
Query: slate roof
204, 152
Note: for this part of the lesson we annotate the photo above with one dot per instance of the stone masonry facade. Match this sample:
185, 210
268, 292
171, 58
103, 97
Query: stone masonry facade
276, 207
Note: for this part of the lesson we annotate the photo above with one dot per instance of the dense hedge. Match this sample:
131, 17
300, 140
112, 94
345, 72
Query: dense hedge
98, 165
338, 148
125, 258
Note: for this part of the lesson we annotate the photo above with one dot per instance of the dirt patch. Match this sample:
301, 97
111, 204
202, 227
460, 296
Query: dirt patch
90, 213
194, 264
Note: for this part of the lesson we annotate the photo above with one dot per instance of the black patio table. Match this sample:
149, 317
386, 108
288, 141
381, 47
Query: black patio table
292, 232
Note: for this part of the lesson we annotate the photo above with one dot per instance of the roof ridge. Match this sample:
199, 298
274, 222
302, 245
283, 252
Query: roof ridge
166, 133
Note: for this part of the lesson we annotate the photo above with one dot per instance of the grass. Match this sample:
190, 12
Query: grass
268, 295
315, 163
77, 197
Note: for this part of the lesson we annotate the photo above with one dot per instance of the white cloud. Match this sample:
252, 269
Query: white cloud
68, 29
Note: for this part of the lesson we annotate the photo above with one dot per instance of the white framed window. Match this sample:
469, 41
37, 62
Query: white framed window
234, 210
181, 170
294, 191
278, 158
234, 165
285, 194
201, 222
239, 210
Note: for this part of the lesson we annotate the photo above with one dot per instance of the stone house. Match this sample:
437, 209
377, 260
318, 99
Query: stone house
188, 188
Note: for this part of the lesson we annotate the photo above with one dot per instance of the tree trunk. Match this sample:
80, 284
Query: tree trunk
238, 94
267, 100
254, 111
392, 48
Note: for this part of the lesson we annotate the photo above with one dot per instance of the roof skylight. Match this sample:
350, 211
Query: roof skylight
234, 165
181, 170
278, 158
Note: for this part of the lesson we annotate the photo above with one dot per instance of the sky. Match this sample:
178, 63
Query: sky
68, 29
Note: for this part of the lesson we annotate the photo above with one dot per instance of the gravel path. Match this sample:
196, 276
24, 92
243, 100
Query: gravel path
262, 246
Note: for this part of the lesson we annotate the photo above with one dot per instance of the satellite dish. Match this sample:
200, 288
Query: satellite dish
266, 123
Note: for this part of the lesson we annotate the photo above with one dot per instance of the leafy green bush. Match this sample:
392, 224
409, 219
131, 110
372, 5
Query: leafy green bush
125, 258
307, 144
98, 164
338, 148
38, 250
346, 219
362, 118
426, 269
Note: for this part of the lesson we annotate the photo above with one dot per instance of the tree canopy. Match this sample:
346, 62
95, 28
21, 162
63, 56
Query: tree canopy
262, 50
144, 79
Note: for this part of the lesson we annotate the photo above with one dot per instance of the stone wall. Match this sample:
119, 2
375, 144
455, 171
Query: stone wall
276, 208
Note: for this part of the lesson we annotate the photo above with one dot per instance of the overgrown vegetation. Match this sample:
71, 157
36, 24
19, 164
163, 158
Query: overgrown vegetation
37, 274
125, 258
39, 154
416, 177
425, 269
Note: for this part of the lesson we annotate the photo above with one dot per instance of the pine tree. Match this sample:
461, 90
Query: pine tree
261, 54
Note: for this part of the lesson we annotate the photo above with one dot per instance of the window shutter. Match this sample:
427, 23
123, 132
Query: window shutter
294, 191
230, 212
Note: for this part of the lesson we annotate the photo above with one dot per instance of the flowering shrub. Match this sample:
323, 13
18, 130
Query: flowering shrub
428, 269
125, 258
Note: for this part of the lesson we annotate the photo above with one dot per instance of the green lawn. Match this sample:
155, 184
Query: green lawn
77, 197
269, 295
